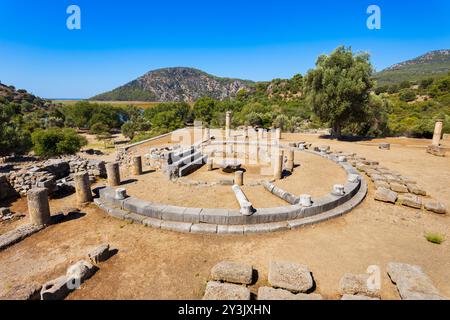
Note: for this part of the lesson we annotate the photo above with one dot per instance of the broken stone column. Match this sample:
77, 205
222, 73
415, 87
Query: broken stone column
210, 164
38, 206
437, 133
207, 135
228, 124
137, 165
239, 178
246, 206
82, 188
113, 173
290, 161
280, 193
278, 166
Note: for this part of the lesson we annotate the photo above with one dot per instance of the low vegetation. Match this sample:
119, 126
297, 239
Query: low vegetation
434, 237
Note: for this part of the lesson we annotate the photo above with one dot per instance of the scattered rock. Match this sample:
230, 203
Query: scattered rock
100, 254
268, 293
290, 276
412, 283
29, 291
381, 184
356, 284
398, 187
82, 270
415, 189
56, 289
410, 200
232, 272
384, 146
225, 291
436, 207
357, 297
385, 195
377, 177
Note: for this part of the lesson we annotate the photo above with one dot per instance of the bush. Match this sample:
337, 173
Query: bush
434, 237
407, 95
56, 142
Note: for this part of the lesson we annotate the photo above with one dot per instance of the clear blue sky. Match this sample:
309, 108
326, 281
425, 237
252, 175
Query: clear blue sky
257, 40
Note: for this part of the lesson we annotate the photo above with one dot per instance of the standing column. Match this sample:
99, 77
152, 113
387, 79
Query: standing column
112, 170
437, 133
290, 161
82, 188
137, 165
38, 207
278, 166
228, 124
239, 178
278, 134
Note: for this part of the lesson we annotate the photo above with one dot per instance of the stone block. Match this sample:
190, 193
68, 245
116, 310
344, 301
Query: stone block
176, 226
436, 207
410, 200
290, 276
192, 215
204, 228
214, 216
268, 293
398, 187
29, 291
82, 270
232, 272
415, 189
357, 297
382, 184
412, 283
134, 217
172, 213
225, 291
355, 284
56, 289
266, 227
99, 254
152, 222
385, 195
230, 229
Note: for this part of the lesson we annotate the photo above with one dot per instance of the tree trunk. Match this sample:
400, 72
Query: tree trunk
336, 131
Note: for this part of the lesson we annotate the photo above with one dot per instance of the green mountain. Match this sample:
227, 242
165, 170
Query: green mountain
430, 65
175, 85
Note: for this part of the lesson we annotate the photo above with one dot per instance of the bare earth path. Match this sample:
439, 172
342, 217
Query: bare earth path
158, 264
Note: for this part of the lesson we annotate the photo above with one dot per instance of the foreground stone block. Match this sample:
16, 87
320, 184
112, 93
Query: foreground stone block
16, 235
385, 195
30, 291
56, 289
436, 207
412, 283
357, 297
225, 291
82, 270
290, 276
100, 254
232, 272
415, 189
382, 184
268, 293
410, 200
355, 284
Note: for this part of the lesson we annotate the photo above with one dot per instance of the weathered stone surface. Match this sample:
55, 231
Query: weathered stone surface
415, 189
384, 146
354, 284
81, 270
382, 184
56, 289
385, 195
225, 291
436, 151
232, 272
99, 254
291, 276
9, 238
357, 297
398, 187
436, 207
377, 177
29, 291
410, 200
268, 293
204, 228
412, 283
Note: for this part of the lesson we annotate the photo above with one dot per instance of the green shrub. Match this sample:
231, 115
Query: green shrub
434, 237
407, 95
56, 142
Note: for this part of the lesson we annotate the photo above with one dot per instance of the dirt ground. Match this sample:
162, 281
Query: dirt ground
158, 264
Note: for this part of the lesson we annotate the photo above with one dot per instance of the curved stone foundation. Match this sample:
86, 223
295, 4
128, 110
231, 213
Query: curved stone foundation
226, 221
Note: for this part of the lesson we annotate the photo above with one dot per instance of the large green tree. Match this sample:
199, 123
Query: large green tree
338, 89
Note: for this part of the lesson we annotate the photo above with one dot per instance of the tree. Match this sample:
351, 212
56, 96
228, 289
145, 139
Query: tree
56, 142
339, 88
129, 129
204, 109
407, 95
99, 128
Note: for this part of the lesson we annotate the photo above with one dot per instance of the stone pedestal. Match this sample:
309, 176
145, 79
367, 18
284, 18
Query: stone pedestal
38, 207
239, 178
137, 165
290, 161
437, 133
278, 167
82, 188
113, 172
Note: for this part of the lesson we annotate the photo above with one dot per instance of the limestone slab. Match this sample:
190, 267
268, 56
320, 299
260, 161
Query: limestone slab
290, 276
232, 272
225, 291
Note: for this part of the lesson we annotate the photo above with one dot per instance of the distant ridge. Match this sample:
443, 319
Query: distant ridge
176, 84
431, 64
